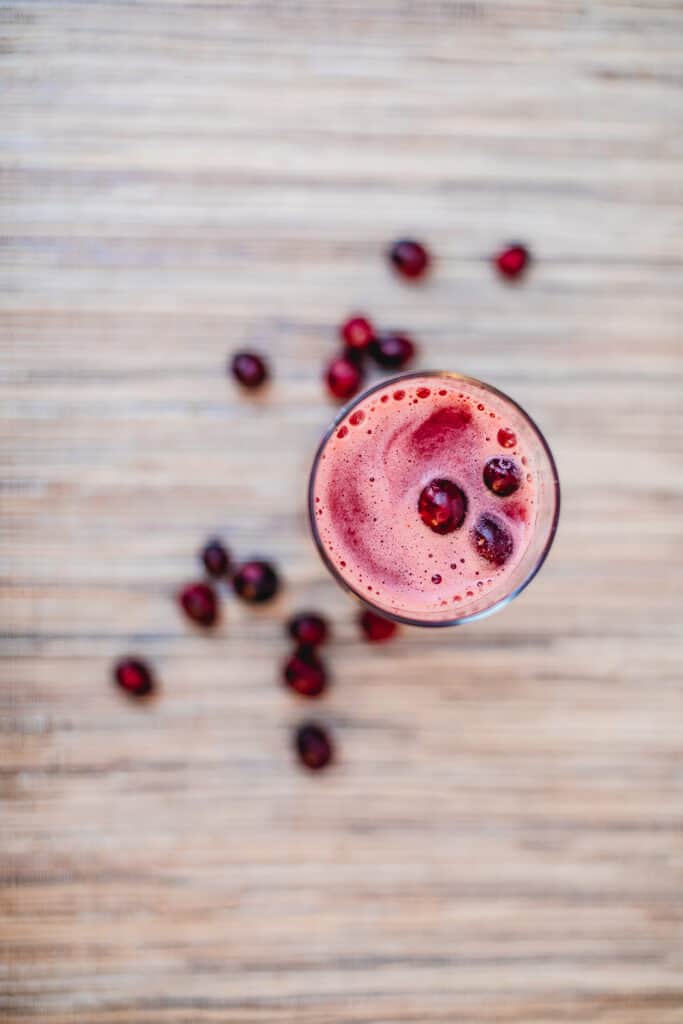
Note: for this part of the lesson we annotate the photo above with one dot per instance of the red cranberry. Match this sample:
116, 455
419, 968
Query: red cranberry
308, 628
492, 540
375, 627
198, 601
357, 333
392, 351
513, 260
256, 582
344, 377
216, 559
305, 672
502, 476
249, 369
135, 677
409, 258
507, 438
442, 506
313, 745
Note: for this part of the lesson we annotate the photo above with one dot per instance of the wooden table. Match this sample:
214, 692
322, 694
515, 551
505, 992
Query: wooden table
500, 840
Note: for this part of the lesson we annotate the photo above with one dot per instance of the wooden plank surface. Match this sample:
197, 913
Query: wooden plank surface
501, 838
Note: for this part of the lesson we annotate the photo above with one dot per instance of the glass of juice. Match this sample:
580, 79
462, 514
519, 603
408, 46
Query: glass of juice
434, 498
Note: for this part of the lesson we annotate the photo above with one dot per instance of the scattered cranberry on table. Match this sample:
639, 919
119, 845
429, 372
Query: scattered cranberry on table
249, 369
215, 559
344, 377
357, 332
409, 258
134, 677
198, 601
502, 476
392, 350
308, 629
313, 746
256, 582
513, 260
305, 673
375, 627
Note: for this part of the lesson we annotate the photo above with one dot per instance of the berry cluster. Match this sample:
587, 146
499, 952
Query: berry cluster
441, 508
390, 350
254, 581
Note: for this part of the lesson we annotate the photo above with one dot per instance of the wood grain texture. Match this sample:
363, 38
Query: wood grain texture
501, 840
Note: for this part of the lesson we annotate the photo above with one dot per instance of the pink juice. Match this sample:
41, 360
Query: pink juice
434, 498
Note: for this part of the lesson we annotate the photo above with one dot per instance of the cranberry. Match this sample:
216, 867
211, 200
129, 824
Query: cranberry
442, 506
492, 540
375, 627
392, 351
256, 582
198, 601
135, 677
344, 377
249, 369
216, 559
305, 673
409, 258
313, 745
357, 333
507, 438
502, 476
513, 260
308, 628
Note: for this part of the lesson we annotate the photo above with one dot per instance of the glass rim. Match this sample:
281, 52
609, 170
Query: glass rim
458, 620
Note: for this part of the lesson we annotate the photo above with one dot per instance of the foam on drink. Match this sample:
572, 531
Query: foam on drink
374, 467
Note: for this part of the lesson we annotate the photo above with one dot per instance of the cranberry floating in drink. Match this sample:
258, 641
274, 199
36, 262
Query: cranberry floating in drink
434, 498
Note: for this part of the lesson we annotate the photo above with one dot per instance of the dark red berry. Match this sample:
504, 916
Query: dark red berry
308, 628
375, 627
198, 601
344, 377
134, 676
357, 332
392, 351
305, 673
513, 260
507, 438
313, 746
492, 540
256, 582
249, 369
502, 476
409, 258
442, 506
216, 559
